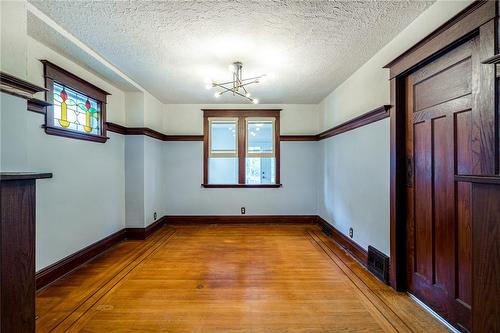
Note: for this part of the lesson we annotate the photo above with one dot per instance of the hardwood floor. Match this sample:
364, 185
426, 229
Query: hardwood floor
227, 278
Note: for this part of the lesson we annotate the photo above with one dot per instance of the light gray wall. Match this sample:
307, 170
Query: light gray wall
84, 202
134, 181
185, 196
354, 191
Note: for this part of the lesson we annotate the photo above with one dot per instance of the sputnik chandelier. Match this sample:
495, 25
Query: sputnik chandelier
238, 86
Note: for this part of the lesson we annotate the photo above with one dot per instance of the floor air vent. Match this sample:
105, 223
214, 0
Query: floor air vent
378, 264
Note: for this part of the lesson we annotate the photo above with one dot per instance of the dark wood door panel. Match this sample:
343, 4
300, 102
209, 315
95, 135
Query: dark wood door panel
444, 86
440, 115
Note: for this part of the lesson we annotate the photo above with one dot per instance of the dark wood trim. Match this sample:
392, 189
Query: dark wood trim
38, 105
181, 137
240, 219
362, 120
17, 250
446, 36
115, 128
478, 179
345, 242
62, 76
13, 83
54, 73
241, 114
74, 135
492, 60
312, 137
465, 25
144, 233
24, 175
53, 272
241, 185
120, 129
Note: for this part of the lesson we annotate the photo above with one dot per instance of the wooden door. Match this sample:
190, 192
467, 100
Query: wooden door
440, 104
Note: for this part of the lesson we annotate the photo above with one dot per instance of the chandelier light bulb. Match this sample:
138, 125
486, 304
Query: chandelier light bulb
238, 85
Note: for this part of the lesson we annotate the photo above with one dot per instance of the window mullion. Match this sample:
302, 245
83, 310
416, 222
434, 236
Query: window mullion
241, 149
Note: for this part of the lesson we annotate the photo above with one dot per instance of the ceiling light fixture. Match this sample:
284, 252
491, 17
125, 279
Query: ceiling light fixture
239, 85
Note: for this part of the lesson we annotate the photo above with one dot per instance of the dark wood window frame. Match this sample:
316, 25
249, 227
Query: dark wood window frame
241, 114
54, 73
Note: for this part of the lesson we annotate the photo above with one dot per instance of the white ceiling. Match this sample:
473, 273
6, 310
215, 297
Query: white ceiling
171, 47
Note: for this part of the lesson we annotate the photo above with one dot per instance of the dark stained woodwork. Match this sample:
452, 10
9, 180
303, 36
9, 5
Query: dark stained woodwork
239, 219
11, 84
359, 253
245, 278
74, 134
475, 147
486, 253
448, 35
398, 181
362, 120
120, 129
241, 185
144, 233
438, 105
241, 114
299, 137
53, 272
17, 251
37, 105
54, 73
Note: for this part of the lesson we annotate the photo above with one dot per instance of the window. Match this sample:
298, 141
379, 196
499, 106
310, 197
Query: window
241, 148
78, 107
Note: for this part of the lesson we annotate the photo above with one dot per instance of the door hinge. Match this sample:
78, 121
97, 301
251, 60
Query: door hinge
409, 172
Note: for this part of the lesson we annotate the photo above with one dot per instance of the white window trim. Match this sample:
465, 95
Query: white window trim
226, 153
273, 145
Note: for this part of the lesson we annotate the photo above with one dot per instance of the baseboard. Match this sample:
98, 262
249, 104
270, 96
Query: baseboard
348, 244
143, 233
240, 219
64, 266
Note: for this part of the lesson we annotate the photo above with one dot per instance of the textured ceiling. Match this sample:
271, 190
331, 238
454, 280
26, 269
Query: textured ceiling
172, 47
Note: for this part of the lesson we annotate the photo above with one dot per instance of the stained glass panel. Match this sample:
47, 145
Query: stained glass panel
75, 111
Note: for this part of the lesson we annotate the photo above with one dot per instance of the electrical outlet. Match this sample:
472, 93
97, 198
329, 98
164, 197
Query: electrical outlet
243, 210
154, 215
351, 232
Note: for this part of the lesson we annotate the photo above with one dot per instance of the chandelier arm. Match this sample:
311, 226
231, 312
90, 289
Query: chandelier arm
235, 92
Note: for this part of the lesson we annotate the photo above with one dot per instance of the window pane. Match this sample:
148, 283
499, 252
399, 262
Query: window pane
260, 136
223, 170
260, 170
223, 136
75, 111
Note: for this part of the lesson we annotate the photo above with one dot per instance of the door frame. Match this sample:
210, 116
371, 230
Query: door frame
478, 19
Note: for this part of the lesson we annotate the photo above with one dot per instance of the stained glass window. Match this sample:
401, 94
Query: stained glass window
75, 111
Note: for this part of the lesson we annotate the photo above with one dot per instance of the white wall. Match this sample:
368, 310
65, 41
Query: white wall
355, 191
183, 163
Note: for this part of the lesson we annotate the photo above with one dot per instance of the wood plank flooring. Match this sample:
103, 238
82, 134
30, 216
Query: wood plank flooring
227, 278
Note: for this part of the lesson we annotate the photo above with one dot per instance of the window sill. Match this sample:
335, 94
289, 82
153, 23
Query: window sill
74, 135
241, 185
